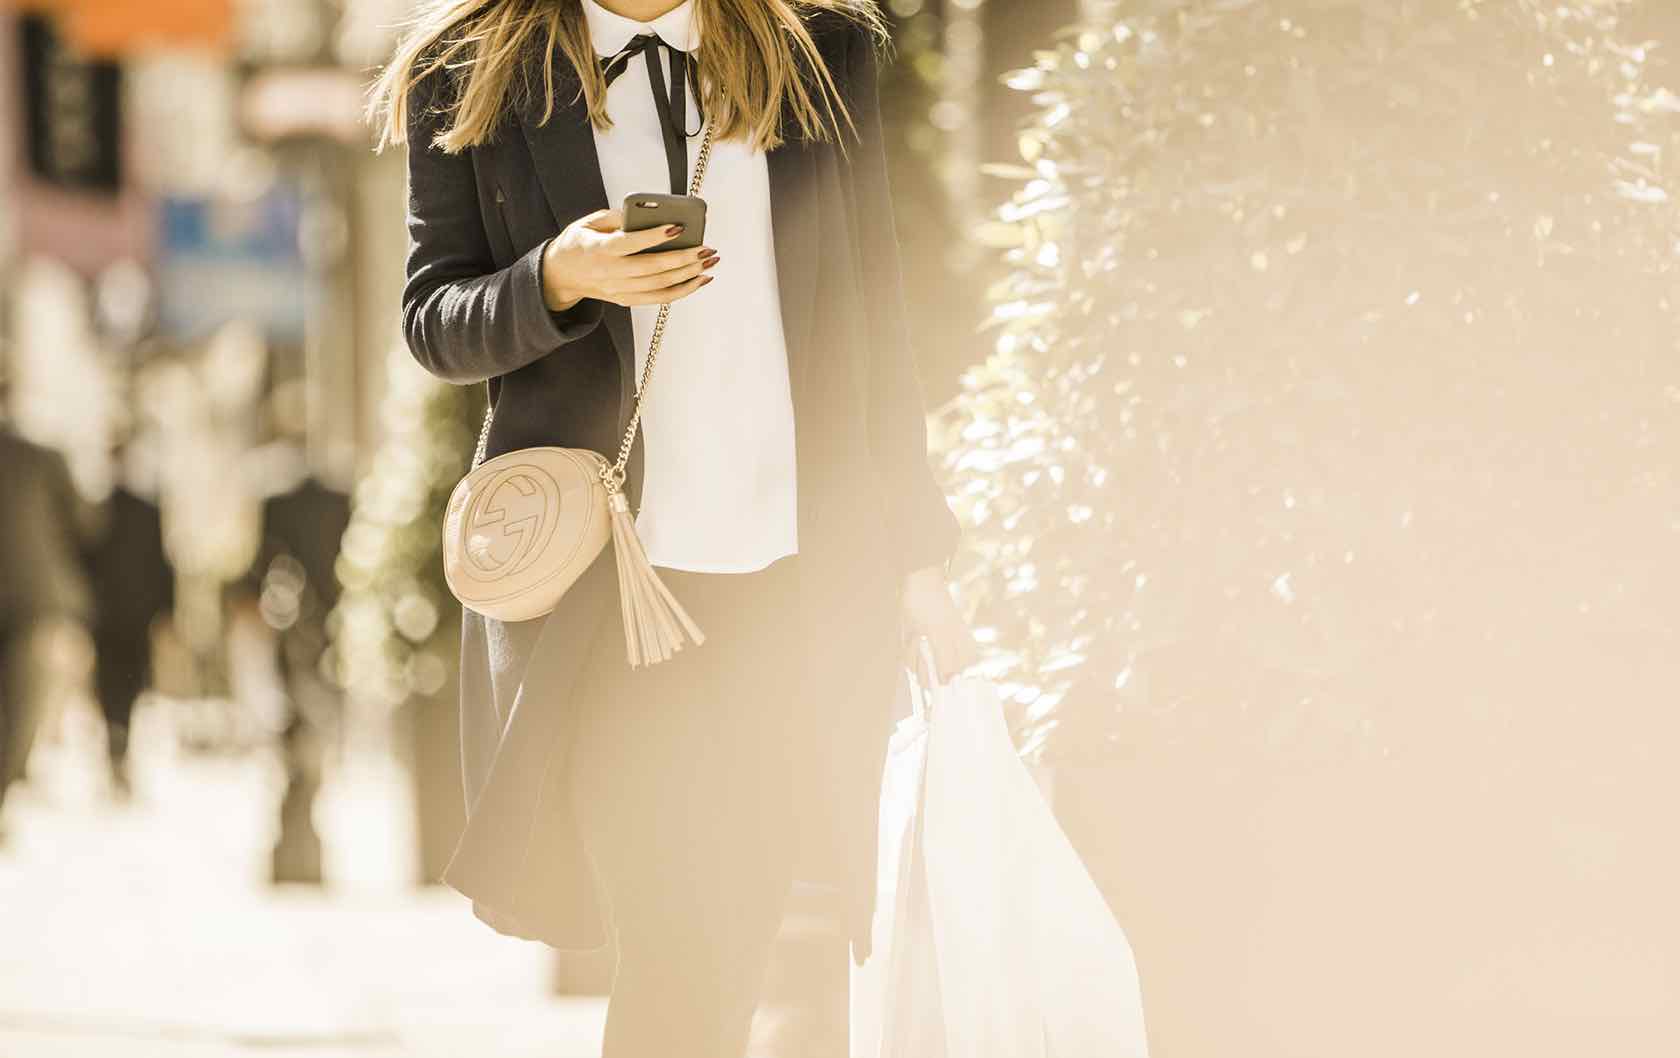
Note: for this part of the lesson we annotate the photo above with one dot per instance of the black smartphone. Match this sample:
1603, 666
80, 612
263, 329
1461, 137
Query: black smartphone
642, 212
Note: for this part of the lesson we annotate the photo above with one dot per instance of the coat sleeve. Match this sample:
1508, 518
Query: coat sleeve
464, 319
918, 517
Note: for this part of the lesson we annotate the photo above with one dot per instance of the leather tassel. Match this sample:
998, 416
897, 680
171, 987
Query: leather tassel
654, 621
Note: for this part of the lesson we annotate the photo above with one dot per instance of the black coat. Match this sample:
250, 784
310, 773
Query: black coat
869, 509
42, 524
305, 524
133, 585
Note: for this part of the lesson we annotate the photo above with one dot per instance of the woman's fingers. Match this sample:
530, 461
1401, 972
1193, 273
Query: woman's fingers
661, 297
603, 220
648, 264
608, 263
625, 243
952, 648
930, 611
670, 277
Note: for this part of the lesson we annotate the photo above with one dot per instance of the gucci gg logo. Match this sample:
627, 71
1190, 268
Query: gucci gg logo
510, 520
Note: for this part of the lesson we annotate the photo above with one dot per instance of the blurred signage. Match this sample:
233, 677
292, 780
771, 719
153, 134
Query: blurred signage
73, 111
221, 261
304, 101
107, 28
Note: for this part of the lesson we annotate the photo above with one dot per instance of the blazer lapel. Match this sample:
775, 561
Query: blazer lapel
569, 170
795, 230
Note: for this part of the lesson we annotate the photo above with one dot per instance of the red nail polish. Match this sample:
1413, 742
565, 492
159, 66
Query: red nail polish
705, 279
710, 261
674, 229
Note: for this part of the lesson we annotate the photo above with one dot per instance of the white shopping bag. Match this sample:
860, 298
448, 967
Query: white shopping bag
991, 940
901, 926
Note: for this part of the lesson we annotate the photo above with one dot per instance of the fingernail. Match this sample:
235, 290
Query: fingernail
705, 279
674, 229
710, 261
707, 252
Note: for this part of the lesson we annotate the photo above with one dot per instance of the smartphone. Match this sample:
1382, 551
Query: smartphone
655, 211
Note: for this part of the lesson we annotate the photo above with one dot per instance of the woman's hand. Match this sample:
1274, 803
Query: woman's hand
930, 611
594, 257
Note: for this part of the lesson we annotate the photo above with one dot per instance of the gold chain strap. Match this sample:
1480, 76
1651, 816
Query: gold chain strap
613, 474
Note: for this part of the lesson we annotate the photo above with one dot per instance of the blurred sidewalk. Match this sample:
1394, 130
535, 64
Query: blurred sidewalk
148, 929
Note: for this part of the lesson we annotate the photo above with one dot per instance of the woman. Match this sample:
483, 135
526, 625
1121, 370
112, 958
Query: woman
780, 476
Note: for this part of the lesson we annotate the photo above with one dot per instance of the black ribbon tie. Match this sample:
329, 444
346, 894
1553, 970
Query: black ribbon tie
672, 105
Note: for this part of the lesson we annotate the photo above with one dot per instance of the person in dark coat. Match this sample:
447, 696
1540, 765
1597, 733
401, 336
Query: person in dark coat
134, 586
294, 586
780, 475
302, 533
41, 580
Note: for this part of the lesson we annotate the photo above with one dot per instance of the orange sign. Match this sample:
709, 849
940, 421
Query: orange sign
112, 27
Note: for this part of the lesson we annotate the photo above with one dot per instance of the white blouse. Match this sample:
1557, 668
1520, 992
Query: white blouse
719, 492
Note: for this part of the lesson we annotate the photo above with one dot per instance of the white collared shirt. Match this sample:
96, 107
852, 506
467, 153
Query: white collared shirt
719, 487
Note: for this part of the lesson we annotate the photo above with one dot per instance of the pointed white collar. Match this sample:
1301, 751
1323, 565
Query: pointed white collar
610, 31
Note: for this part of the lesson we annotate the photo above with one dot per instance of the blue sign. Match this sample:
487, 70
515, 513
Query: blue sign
220, 261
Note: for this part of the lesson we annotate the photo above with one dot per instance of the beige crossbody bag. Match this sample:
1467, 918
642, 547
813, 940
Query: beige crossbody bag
521, 528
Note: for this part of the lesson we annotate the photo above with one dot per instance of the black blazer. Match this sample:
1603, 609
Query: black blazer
869, 509
473, 308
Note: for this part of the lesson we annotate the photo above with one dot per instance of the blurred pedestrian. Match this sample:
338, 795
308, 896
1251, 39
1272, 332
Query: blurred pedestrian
292, 587
134, 587
697, 789
42, 583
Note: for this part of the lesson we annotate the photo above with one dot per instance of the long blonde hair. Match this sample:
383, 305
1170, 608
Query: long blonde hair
748, 62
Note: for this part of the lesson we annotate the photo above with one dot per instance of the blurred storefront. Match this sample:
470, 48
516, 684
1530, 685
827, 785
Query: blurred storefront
201, 261
200, 257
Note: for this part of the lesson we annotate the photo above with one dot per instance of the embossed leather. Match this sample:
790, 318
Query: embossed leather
521, 528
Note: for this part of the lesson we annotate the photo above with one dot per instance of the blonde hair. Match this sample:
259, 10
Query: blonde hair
748, 62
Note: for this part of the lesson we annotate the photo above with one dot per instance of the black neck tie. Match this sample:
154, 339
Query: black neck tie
671, 106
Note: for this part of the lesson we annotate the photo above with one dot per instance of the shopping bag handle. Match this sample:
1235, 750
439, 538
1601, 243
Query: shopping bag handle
924, 653
924, 677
